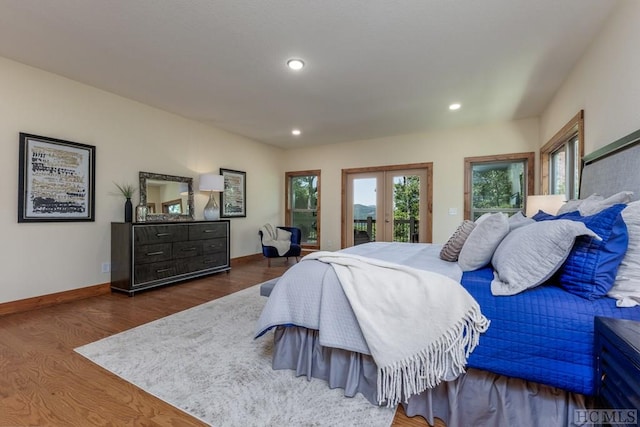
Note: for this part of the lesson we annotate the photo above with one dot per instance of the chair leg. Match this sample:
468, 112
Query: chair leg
297, 259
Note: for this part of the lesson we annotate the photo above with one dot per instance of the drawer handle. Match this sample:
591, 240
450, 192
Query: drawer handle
188, 249
155, 253
209, 231
163, 234
163, 270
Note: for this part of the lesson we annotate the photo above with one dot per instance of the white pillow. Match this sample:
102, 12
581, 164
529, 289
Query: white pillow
626, 288
529, 255
483, 241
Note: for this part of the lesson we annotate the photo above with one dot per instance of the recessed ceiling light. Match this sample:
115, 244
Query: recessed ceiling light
455, 106
296, 132
295, 64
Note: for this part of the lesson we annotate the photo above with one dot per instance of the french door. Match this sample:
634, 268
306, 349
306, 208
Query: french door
387, 204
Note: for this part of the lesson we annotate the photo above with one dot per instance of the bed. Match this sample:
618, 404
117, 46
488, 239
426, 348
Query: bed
534, 363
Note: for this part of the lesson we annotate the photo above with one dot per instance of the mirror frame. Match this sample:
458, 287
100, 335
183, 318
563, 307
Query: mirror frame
151, 217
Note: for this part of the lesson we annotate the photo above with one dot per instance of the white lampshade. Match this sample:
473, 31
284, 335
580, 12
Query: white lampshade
211, 182
549, 203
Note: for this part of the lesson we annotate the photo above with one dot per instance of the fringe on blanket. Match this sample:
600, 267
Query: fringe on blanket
427, 368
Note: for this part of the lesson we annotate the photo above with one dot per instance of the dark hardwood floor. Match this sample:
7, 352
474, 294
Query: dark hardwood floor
43, 382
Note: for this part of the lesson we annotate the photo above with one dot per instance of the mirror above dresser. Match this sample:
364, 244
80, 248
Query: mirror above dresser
167, 197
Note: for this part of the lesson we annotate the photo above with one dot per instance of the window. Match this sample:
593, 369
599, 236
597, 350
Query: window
561, 159
303, 205
497, 184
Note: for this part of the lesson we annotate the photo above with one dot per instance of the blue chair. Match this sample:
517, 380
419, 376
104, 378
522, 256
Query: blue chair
294, 251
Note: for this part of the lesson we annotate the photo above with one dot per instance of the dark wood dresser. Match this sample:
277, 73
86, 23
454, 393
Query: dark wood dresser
146, 255
617, 355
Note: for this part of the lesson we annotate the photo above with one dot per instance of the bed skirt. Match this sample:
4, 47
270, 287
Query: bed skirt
475, 398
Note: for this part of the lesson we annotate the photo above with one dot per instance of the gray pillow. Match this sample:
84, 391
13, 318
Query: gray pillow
518, 220
530, 255
574, 204
626, 288
451, 249
591, 207
483, 241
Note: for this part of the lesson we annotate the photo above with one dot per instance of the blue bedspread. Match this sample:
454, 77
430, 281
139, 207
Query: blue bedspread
544, 335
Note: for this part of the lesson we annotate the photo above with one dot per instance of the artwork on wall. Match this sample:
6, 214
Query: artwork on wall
56, 180
233, 200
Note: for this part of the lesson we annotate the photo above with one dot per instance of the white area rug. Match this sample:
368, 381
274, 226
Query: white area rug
205, 361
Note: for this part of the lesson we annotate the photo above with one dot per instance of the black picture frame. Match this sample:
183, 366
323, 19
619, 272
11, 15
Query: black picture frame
56, 180
233, 199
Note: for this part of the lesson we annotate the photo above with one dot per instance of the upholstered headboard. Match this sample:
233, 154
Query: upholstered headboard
613, 168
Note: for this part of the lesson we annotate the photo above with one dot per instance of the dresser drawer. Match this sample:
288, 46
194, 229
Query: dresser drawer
155, 271
617, 349
204, 262
187, 249
211, 246
620, 378
160, 234
145, 254
207, 231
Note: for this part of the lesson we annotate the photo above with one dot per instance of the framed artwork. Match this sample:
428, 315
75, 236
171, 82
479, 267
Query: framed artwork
233, 199
56, 180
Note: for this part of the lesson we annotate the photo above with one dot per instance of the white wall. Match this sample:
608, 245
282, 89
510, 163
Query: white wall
446, 149
605, 83
43, 258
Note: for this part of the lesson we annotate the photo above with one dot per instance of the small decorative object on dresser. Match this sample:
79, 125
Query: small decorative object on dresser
127, 191
617, 373
141, 213
213, 184
146, 255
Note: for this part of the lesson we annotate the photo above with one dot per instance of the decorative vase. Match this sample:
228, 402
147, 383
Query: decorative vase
141, 213
128, 210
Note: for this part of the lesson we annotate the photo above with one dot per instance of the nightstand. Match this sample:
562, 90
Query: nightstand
617, 352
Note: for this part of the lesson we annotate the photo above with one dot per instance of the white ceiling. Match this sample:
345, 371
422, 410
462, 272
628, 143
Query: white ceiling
374, 67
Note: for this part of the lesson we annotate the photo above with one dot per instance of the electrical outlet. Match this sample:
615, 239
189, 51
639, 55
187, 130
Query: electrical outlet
106, 267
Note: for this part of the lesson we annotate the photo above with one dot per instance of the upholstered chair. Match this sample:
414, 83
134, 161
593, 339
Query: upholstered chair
294, 250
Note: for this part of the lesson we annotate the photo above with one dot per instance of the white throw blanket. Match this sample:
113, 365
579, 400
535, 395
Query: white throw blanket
420, 326
270, 238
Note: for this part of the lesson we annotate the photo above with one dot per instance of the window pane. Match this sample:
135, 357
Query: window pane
304, 205
498, 187
575, 144
306, 222
406, 208
304, 192
558, 171
364, 209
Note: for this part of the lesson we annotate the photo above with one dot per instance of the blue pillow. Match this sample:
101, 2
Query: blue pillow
590, 270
